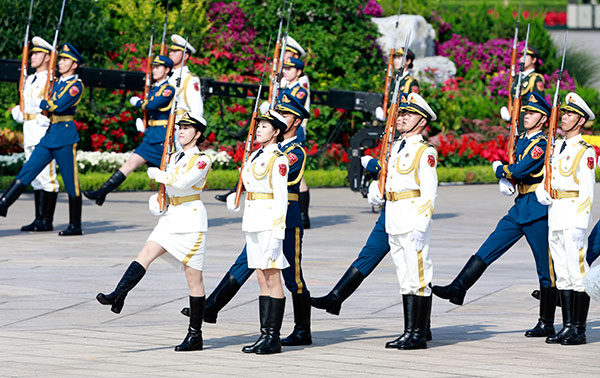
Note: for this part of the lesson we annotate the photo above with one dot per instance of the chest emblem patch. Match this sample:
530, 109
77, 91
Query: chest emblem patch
292, 158
283, 169
431, 160
537, 152
590, 163
201, 164
73, 91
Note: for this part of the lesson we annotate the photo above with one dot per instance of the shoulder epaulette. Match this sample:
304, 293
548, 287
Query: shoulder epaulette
278, 153
585, 144
427, 143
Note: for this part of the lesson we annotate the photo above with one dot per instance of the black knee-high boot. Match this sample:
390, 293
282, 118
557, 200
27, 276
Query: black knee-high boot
39, 211
566, 299
581, 306
332, 302
272, 343
545, 325
15, 189
263, 313
304, 203
111, 184
409, 318
131, 277
74, 227
223, 293
49, 205
301, 334
193, 339
467, 277
422, 312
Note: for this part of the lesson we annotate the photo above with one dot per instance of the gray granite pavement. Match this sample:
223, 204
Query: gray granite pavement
52, 326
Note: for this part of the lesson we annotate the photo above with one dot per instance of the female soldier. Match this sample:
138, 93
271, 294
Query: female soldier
265, 178
181, 229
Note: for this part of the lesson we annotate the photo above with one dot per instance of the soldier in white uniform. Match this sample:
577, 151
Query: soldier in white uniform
35, 125
570, 206
265, 178
410, 192
189, 96
181, 229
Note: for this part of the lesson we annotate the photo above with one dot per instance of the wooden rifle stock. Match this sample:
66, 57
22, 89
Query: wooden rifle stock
23, 76
51, 78
275, 69
147, 85
247, 148
550, 148
511, 78
166, 157
388, 137
515, 115
388, 81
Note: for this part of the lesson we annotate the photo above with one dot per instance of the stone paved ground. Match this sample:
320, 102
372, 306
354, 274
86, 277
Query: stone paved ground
52, 326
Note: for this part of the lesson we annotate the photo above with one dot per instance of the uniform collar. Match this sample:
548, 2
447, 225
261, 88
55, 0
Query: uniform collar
191, 151
574, 140
405, 74
414, 139
293, 84
67, 78
288, 141
528, 72
176, 71
532, 135
161, 83
270, 147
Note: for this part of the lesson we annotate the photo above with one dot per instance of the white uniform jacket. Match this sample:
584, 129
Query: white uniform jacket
265, 176
573, 178
189, 95
411, 186
34, 89
184, 179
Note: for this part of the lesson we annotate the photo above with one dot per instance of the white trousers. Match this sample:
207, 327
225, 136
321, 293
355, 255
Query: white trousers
413, 268
46, 180
569, 262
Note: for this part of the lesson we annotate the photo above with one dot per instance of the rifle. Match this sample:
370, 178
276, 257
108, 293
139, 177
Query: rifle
25, 61
251, 128
277, 83
168, 145
163, 45
553, 124
390, 68
275, 66
390, 125
513, 60
516, 106
52, 65
148, 77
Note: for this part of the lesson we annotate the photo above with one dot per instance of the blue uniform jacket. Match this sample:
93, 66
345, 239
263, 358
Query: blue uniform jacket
527, 170
65, 97
158, 105
296, 91
297, 159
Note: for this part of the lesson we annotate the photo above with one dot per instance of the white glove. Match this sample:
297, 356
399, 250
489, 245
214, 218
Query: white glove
506, 187
153, 172
364, 160
153, 205
139, 125
17, 114
496, 164
264, 107
543, 197
231, 203
134, 100
374, 195
34, 103
379, 114
578, 235
419, 238
42, 120
274, 248
504, 114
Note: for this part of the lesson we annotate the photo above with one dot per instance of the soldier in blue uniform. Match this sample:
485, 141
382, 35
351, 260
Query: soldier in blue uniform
293, 111
60, 141
158, 105
526, 218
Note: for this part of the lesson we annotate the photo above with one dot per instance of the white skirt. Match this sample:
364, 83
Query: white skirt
188, 248
258, 258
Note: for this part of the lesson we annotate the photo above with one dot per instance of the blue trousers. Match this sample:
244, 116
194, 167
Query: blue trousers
375, 249
508, 232
65, 156
593, 250
292, 275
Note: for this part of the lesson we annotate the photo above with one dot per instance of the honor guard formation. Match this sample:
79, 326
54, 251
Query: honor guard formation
551, 179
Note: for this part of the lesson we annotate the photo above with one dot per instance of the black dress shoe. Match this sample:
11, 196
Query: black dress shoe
192, 341
223, 197
71, 230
